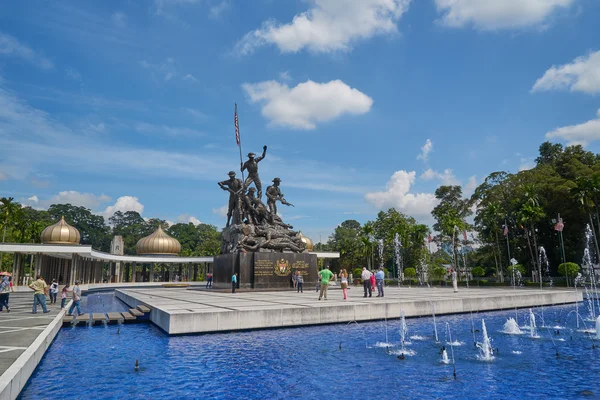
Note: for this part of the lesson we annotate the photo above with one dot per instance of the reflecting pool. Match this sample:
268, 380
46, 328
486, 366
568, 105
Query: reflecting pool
329, 362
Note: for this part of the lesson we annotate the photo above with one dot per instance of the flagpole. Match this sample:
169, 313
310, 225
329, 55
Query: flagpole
562, 245
239, 140
507, 243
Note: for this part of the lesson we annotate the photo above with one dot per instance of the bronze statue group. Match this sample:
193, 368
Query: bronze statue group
252, 225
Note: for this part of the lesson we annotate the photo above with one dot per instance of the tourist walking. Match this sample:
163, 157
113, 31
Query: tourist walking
379, 278
53, 291
233, 282
325, 275
294, 281
209, 277
5, 289
372, 280
299, 282
366, 277
40, 290
454, 281
76, 299
63, 296
344, 283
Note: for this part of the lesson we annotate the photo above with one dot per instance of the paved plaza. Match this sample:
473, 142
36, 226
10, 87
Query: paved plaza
179, 311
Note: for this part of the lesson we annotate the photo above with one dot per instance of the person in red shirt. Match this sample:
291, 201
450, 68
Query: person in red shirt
372, 281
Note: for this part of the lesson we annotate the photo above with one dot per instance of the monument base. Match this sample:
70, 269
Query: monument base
264, 270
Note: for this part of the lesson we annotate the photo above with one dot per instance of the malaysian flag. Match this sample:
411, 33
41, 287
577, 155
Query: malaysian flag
429, 238
465, 235
559, 225
505, 230
237, 126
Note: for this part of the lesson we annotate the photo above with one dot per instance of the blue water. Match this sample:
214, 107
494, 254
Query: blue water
98, 362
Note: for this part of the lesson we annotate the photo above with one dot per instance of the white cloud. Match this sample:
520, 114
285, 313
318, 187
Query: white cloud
221, 211
3, 176
307, 103
471, 185
11, 46
190, 78
73, 74
119, 19
397, 194
73, 197
217, 10
425, 150
526, 164
167, 69
328, 26
144, 127
581, 75
446, 178
123, 204
498, 14
583, 133
186, 218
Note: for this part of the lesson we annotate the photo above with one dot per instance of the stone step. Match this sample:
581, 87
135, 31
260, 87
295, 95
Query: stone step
127, 316
82, 318
136, 312
143, 309
114, 317
98, 317
67, 319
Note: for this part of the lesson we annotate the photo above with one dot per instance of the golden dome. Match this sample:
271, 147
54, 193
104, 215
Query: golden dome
158, 243
306, 241
60, 233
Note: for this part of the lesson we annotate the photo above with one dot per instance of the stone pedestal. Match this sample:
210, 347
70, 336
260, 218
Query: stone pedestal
264, 270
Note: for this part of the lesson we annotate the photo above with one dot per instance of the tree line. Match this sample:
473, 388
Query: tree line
19, 224
516, 212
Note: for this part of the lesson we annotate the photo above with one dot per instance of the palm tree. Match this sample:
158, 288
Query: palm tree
491, 221
530, 214
8, 207
584, 193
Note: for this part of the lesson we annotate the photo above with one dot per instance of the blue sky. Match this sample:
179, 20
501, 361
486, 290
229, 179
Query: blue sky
365, 105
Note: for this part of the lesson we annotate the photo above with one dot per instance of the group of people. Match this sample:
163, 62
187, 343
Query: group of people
370, 280
41, 290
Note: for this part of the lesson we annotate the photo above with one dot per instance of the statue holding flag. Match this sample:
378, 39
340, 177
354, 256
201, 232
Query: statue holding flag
251, 165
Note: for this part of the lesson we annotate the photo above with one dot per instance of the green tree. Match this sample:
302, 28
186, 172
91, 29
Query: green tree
478, 272
569, 268
438, 273
450, 215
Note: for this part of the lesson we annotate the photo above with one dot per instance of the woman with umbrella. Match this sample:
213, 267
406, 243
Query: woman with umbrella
5, 289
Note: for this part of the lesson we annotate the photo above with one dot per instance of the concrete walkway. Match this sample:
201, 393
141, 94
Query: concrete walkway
181, 311
24, 338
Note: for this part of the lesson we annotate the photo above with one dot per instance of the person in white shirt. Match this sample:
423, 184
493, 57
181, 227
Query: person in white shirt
366, 277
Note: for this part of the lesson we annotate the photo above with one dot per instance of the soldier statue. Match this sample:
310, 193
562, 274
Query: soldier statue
252, 166
248, 210
274, 194
234, 186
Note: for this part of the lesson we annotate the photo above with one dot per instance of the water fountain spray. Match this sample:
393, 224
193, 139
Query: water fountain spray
397, 259
543, 262
380, 248
588, 263
403, 329
486, 352
578, 279
434, 324
532, 325
451, 347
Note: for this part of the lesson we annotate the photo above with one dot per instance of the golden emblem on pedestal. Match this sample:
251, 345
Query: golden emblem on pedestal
282, 267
